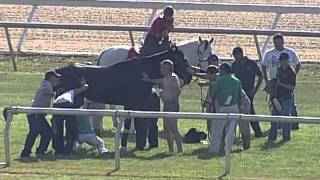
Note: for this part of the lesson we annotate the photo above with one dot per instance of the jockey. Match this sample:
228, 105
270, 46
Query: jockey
157, 38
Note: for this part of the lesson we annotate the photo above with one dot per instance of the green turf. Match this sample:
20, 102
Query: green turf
298, 159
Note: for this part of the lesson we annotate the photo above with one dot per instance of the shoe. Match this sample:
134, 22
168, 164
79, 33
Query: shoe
169, 153
123, 148
258, 135
104, 151
24, 155
180, 153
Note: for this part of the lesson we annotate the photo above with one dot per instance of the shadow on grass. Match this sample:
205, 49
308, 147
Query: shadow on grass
272, 145
83, 154
204, 154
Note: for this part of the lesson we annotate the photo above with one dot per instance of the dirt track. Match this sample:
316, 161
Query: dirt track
94, 41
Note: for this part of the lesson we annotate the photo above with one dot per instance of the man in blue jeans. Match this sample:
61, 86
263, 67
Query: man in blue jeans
38, 124
286, 82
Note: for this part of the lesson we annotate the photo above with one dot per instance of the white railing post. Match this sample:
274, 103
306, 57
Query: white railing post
12, 54
6, 136
274, 26
25, 30
228, 140
117, 142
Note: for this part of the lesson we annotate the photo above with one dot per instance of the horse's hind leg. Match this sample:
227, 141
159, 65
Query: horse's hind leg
153, 123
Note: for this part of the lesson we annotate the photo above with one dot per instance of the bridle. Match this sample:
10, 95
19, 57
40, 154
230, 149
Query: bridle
206, 45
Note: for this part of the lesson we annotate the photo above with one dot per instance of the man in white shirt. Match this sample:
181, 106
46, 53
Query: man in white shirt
271, 61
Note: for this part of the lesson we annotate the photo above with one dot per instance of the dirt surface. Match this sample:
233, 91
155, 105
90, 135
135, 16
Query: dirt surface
95, 41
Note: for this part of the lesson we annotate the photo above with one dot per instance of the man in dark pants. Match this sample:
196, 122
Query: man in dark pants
270, 62
67, 100
246, 71
38, 124
144, 127
286, 82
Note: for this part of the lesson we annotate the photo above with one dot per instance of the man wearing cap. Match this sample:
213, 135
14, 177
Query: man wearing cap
286, 82
227, 91
270, 61
38, 124
246, 70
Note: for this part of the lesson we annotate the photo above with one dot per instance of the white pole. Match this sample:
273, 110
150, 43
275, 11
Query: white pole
6, 137
274, 26
25, 30
117, 142
228, 140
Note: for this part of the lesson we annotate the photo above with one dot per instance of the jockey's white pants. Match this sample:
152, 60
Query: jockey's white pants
217, 129
92, 140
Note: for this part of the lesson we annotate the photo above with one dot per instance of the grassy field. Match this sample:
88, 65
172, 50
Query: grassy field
298, 159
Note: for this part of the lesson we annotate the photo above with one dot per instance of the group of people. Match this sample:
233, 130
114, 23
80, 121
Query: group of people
232, 88
236, 85
78, 128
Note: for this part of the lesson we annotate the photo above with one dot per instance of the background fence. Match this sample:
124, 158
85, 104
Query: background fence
94, 41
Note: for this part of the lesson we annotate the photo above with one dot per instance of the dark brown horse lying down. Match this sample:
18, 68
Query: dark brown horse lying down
121, 84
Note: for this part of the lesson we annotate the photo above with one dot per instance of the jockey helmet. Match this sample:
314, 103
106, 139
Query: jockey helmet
168, 11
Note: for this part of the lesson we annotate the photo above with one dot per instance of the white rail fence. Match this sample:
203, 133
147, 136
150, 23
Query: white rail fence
131, 28
277, 9
122, 114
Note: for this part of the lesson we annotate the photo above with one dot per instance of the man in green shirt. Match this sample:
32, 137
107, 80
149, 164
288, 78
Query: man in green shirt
227, 91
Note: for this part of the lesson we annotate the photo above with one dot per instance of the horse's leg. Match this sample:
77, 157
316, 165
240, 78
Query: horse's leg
97, 121
141, 126
153, 122
125, 132
114, 119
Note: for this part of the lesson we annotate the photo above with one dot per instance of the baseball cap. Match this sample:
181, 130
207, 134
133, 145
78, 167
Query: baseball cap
284, 56
212, 69
211, 57
52, 73
226, 67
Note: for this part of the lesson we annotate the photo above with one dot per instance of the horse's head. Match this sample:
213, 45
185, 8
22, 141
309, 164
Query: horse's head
204, 50
69, 79
180, 64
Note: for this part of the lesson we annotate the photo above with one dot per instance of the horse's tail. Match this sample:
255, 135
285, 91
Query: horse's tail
132, 53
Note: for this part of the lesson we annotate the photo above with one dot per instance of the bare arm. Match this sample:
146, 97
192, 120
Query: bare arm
84, 86
264, 72
287, 86
49, 94
297, 68
256, 88
81, 89
206, 76
146, 78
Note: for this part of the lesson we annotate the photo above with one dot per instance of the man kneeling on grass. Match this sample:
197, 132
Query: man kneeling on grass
86, 135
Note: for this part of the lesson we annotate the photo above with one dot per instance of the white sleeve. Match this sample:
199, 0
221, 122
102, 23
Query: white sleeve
295, 58
265, 60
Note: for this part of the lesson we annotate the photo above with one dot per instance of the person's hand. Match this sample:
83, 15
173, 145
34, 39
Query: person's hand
145, 76
253, 92
279, 82
83, 81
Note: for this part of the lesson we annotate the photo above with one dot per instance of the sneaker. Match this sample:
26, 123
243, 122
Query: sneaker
24, 155
180, 154
104, 150
123, 148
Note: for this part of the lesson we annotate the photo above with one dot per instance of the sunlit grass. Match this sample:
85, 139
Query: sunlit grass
298, 159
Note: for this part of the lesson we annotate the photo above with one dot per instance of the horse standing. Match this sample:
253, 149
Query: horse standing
195, 52
121, 84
